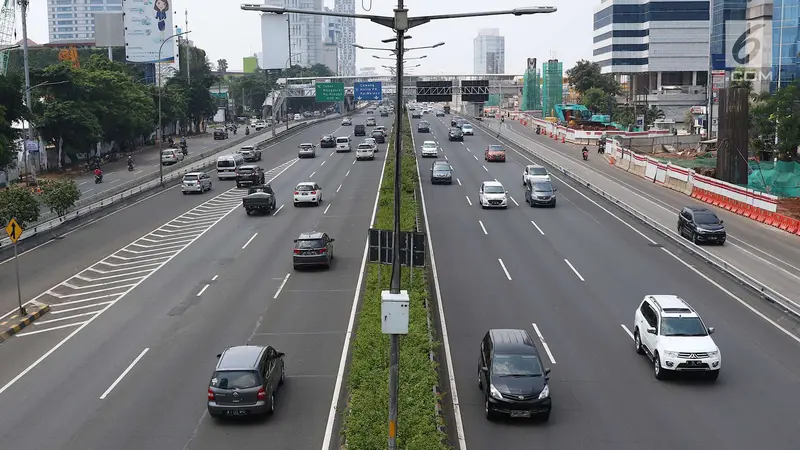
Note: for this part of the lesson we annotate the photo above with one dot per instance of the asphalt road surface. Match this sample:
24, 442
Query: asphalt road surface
572, 276
156, 291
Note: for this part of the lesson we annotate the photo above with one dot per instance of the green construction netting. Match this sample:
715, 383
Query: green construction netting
531, 91
552, 86
494, 100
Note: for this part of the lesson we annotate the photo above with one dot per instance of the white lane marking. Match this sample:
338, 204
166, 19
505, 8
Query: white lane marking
484, 168
312, 174
354, 162
504, 268
544, 343
116, 382
469, 150
468, 200
574, 269
61, 319
337, 189
627, 330
82, 183
476, 158
512, 198
462, 143
280, 288
215, 278
127, 290
114, 181
29, 333
331, 153
348, 173
88, 190
249, 241
445, 157
482, 227
202, 290
278, 210
537, 227
326, 209
334, 411
459, 181
138, 172
323, 163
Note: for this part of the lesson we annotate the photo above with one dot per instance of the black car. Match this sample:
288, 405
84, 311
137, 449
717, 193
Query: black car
249, 175
327, 141
454, 121
245, 381
456, 134
512, 377
360, 130
423, 127
441, 172
701, 225
416, 114
220, 133
385, 113
379, 136
313, 249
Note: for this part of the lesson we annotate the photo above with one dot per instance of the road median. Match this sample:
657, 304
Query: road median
365, 419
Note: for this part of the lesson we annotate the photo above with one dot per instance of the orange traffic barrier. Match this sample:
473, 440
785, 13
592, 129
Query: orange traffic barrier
761, 215
748, 211
737, 207
728, 204
612, 160
769, 218
696, 193
783, 223
705, 196
793, 226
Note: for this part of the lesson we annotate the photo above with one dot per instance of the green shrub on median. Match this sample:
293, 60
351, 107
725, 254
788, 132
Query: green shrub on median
365, 425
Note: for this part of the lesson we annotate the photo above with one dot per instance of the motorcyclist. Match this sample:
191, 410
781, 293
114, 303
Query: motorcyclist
130, 161
98, 174
247, 130
171, 142
585, 152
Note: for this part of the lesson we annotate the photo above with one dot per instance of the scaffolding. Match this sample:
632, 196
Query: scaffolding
531, 91
552, 86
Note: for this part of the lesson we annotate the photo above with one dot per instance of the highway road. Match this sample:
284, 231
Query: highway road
572, 276
124, 357
770, 255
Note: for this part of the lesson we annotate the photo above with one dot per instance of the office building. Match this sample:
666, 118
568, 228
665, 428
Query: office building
489, 52
330, 56
72, 22
331, 28
659, 48
785, 45
305, 32
347, 53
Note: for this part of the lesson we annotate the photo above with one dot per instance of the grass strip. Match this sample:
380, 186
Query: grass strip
365, 425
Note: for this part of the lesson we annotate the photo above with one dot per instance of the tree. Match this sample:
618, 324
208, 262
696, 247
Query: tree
652, 114
780, 112
598, 101
59, 195
222, 66
250, 89
586, 75
623, 115
12, 109
18, 203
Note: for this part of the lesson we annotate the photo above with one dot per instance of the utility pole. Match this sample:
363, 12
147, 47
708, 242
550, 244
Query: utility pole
24, 5
188, 51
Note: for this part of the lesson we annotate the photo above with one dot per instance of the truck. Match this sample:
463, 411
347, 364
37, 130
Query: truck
259, 198
447, 109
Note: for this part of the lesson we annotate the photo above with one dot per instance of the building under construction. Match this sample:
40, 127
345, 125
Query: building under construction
531, 88
552, 86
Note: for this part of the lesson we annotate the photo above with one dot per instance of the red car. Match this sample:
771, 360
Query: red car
495, 153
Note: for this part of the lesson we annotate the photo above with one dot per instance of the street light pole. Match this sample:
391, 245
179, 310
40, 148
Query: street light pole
26, 67
160, 128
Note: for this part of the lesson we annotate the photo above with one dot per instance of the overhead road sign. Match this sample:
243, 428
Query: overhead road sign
475, 91
368, 90
13, 230
329, 92
435, 91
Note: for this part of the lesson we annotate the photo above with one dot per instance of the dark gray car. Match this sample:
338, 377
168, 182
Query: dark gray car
540, 193
245, 381
313, 249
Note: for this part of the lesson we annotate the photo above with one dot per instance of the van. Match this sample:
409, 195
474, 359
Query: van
228, 165
360, 130
343, 144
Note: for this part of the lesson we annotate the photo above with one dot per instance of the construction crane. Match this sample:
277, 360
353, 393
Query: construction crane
7, 21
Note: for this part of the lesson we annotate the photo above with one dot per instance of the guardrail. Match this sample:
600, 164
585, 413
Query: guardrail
151, 181
738, 275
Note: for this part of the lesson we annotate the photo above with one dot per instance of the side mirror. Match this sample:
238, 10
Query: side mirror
721, 222
651, 330
280, 354
333, 240
506, 192
295, 241
555, 189
547, 371
484, 369
711, 330
219, 355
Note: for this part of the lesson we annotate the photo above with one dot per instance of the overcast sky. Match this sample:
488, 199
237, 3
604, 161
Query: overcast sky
230, 33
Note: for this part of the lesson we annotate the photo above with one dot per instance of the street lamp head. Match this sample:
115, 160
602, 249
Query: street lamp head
533, 10
358, 46
394, 39
263, 8
438, 45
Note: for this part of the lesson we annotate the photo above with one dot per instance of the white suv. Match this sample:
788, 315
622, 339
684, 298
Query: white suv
672, 335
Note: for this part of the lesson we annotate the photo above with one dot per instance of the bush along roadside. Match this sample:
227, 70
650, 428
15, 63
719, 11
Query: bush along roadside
365, 424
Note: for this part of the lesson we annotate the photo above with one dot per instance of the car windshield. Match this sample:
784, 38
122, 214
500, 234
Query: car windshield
364, 147
190, 177
495, 148
517, 366
305, 244
423, 124
538, 171
543, 186
304, 187
466, 125
494, 189
342, 140
235, 379
682, 326
444, 167
305, 146
167, 153
455, 131
706, 219
327, 138
429, 145
225, 163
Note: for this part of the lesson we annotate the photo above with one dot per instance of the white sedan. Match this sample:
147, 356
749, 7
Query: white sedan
429, 149
308, 192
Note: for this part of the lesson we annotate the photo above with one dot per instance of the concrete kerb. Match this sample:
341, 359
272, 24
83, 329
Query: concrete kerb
723, 266
111, 199
15, 324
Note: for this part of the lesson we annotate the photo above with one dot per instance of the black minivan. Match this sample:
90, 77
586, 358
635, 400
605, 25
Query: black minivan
701, 225
360, 130
512, 377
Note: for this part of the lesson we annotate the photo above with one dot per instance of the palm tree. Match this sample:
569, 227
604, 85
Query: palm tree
222, 65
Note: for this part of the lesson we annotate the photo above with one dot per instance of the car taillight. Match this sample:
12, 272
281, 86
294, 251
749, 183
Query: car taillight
262, 394
296, 251
313, 192
296, 193
323, 250
210, 394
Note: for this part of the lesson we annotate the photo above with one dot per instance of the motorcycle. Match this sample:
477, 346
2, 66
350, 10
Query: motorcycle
601, 148
184, 149
98, 178
130, 167
585, 155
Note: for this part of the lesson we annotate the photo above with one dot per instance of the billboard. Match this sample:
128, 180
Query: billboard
147, 24
275, 41
109, 30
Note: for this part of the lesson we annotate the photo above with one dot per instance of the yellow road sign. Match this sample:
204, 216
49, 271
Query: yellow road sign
13, 230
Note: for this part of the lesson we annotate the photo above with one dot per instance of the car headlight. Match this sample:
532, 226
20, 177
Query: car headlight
545, 392
713, 354
671, 354
494, 392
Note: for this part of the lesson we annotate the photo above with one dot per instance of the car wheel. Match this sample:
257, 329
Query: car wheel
248, 211
295, 267
658, 371
637, 342
210, 186
238, 186
184, 192
487, 410
530, 203
271, 407
283, 376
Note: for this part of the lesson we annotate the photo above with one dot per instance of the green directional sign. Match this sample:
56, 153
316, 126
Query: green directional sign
330, 92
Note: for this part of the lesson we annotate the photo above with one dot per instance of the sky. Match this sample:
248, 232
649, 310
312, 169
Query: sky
230, 33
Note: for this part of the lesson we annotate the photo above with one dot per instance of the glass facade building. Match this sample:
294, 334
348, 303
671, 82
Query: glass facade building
73, 20
723, 11
785, 40
489, 52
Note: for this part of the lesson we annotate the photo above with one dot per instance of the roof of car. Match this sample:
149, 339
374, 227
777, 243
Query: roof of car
512, 341
466, 125
246, 147
671, 304
699, 209
193, 173
240, 357
533, 166
429, 142
248, 166
493, 183
307, 143
310, 235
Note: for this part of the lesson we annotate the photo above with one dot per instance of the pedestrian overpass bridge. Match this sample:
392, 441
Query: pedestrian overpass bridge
503, 85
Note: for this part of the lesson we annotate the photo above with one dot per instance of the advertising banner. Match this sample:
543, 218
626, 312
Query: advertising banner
147, 24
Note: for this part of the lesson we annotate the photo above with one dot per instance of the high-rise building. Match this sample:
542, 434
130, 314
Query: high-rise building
330, 58
331, 28
660, 49
489, 52
347, 53
305, 32
785, 29
72, 21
